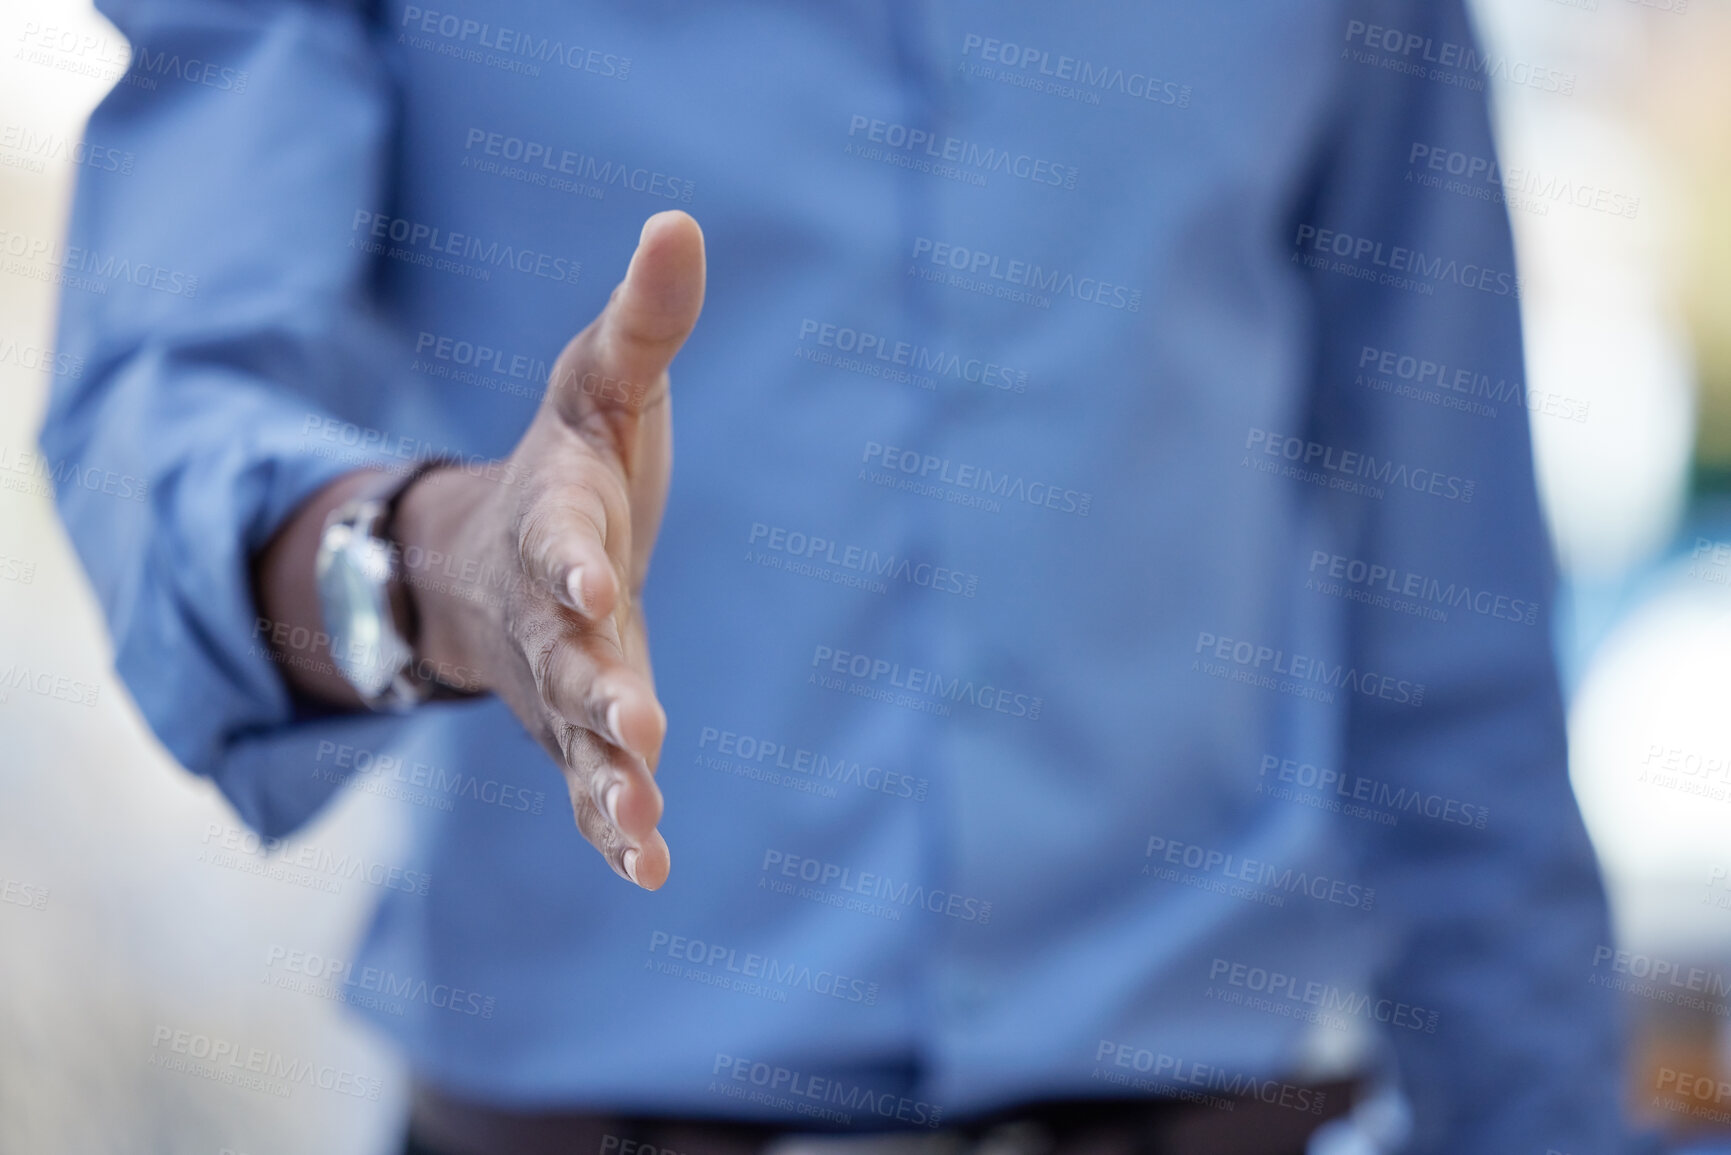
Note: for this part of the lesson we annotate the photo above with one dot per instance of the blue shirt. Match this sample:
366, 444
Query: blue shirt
1102, 610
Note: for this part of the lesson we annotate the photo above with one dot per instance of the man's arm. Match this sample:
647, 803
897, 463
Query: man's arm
257, 323
1494, 928
206, 380
569, 520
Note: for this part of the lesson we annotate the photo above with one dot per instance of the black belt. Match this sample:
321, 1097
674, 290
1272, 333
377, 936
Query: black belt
1203, 1123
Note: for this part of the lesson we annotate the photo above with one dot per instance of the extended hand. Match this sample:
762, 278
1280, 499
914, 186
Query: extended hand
570, 521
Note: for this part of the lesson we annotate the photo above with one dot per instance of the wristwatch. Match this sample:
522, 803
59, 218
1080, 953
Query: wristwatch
369, 613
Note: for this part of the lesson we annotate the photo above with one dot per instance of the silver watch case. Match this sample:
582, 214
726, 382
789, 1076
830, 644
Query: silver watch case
356, 575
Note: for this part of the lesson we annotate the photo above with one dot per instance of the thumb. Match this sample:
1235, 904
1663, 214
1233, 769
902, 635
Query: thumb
618, 365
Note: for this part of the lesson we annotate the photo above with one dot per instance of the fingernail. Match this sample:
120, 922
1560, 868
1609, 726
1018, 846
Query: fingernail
629, 862
614, 733
574, 591
611, 800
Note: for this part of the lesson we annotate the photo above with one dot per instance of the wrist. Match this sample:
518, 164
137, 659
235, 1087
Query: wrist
288, 600
452, 590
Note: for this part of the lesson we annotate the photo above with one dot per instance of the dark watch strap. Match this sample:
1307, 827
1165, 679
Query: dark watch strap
372, 513
403, 599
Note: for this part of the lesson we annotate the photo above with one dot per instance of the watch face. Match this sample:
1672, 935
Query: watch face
354, 573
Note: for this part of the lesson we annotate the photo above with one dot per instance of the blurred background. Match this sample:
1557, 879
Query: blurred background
131, 903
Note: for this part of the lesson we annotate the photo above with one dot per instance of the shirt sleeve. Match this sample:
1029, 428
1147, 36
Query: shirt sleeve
221, 309
1488, 885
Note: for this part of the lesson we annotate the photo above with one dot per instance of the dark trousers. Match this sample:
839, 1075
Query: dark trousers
1202, 1124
